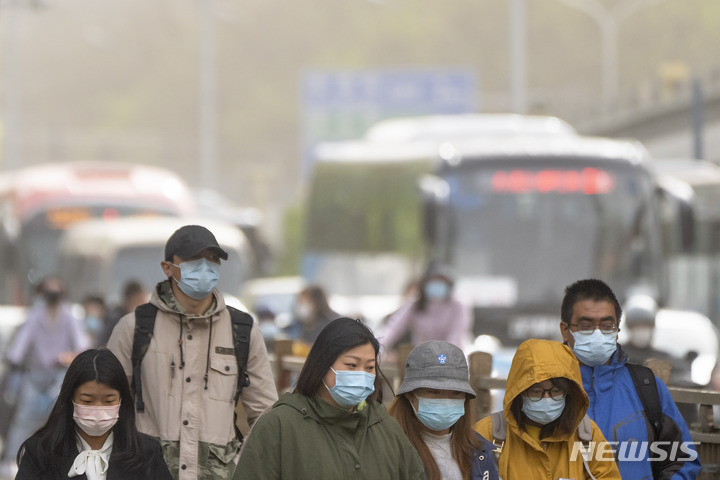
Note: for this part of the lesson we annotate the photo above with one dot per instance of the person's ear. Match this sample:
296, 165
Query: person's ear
167, 268
567, 334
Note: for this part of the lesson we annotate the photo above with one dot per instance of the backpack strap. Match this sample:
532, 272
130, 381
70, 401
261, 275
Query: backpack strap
584, 430
499, 433
241, 325
499, 427
646, 386
144, 326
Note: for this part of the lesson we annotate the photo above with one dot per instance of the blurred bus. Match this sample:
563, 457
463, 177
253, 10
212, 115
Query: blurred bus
38, 203
364, 219
101, 257
452, 128
515, 217
695, 274
518, 221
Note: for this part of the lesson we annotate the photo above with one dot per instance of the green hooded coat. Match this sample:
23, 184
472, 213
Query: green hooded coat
303, 438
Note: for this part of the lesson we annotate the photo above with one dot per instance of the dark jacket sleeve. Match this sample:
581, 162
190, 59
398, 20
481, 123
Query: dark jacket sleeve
153, 467
157, 469
29, 467
682, 461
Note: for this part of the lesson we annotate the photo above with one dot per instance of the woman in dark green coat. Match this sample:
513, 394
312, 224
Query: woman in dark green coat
332, 425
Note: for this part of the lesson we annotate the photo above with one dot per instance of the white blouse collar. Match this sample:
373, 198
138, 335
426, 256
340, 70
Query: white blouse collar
93, 463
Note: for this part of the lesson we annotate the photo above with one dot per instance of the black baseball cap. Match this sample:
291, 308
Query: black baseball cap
190, 240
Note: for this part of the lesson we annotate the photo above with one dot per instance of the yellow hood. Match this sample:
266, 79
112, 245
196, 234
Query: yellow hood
539, 360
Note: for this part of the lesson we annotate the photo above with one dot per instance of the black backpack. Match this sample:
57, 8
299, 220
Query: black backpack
145, 324
646, 386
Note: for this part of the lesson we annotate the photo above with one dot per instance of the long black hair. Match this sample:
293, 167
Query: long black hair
57, 437
336, 338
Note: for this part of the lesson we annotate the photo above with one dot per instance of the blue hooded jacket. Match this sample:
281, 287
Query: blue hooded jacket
617, 409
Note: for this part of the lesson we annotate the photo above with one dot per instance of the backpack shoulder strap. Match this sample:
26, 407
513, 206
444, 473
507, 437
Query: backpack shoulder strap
241, 325
584, 432
144, 326
584, 429
646, 386
499, 427
499, 433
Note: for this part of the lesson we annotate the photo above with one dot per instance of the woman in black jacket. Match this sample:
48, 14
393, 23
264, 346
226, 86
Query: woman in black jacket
91, 434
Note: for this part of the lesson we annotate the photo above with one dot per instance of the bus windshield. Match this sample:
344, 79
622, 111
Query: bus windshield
541, 228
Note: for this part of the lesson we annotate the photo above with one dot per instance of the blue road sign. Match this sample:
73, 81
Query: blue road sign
341, 105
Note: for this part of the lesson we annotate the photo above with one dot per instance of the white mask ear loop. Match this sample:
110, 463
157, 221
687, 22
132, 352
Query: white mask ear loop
173, 276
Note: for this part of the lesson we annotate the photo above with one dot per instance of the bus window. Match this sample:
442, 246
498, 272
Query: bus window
524, 230
364, 218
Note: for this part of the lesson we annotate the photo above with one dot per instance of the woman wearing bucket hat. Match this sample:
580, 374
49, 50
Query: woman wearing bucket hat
543, 431
433, 408
333, 425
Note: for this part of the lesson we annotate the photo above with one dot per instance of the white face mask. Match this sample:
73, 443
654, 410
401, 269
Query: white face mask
595, 349
304, 312
198, 277
641, 337
96, 420
436, 290
543, 411
351, 387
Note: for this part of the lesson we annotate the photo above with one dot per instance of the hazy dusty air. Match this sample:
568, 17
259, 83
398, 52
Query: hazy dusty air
547, 141
102, 79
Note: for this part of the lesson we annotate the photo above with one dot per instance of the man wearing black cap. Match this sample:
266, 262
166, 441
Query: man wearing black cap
189, 373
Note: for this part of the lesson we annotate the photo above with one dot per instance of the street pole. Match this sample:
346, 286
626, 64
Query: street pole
9, 22
610, 74
207, 95
609, 21
698, 119
518, 57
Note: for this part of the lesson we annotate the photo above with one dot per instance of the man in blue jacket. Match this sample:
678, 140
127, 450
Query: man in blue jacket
590, 316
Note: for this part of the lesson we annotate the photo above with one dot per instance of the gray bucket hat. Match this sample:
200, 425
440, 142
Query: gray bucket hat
436, 364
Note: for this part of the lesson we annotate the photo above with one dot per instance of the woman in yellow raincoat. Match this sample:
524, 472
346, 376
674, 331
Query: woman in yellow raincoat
543, 413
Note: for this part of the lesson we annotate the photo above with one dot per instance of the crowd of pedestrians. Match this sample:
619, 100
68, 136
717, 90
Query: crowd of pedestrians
179, 386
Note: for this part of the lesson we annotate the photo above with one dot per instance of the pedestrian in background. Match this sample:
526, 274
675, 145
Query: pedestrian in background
94, 312
44, 346
134, 295
434, 315
433, 407
311, 314
91, 430
333, 425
